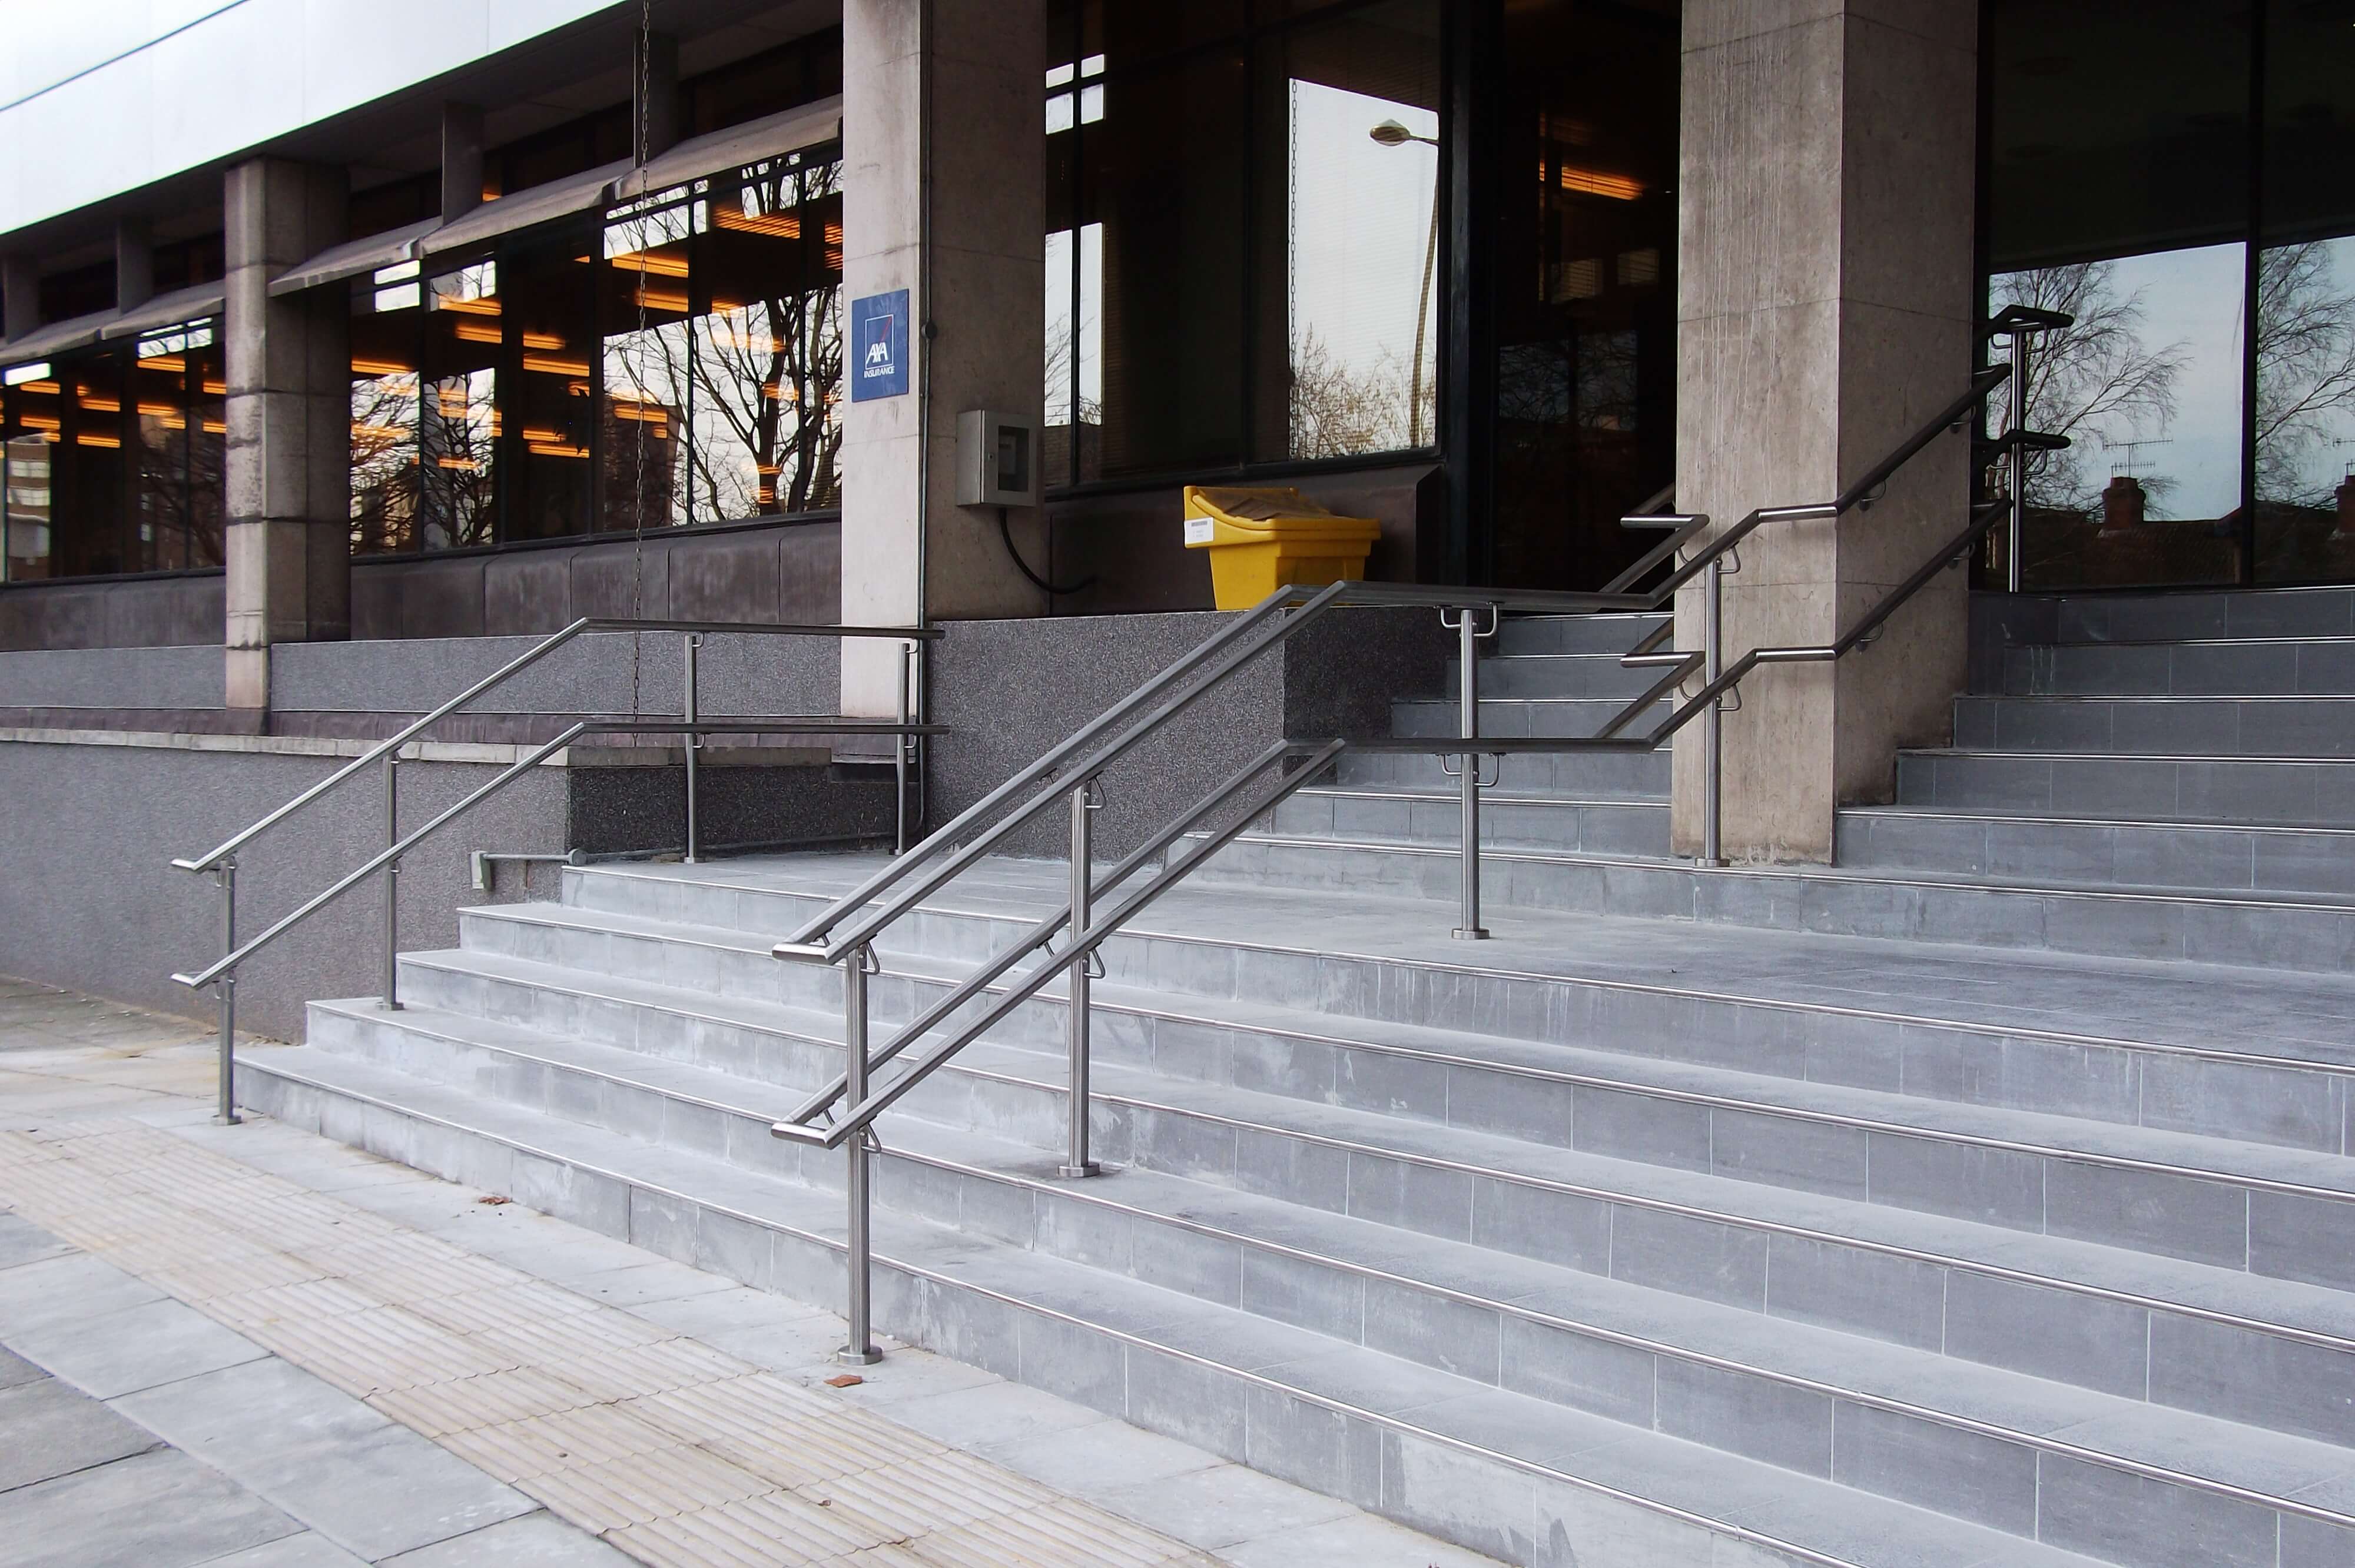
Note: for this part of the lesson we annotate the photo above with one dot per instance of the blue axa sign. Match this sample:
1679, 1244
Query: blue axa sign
879, 343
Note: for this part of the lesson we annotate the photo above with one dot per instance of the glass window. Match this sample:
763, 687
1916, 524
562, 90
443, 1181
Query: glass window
766, 426
180, 414
458, 414
89, 476
1158, 289
649, 378
1354, 106
1239, 270
2303, 436
549, 327
29, 425
387, 335
2119, 192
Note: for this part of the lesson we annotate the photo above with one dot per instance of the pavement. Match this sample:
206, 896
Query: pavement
249, 1346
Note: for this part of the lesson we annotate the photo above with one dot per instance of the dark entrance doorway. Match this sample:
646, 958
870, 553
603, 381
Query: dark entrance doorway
1582, 270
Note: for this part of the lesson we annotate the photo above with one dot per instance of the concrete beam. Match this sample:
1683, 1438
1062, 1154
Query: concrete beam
654, 91
461, 159
20, 284
134, 262
1824, 311
289, 458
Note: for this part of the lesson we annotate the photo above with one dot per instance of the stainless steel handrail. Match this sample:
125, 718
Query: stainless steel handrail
845, 931
819, 937
222, 860
516, 666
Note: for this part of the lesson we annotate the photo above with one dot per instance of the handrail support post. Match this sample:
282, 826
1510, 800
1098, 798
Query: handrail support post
2015, 526
690, 711
1084, 801
226, 1115
392, 882
900, 744
1466, 626
1712, 721
858, 1346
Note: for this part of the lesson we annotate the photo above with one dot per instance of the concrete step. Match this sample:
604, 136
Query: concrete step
2290, 792
2201, 1337
1678, 1365
2253, 1056
2235, 725
1557, 675
2215, 613
1600, 826
2176, 1195
2280, 931
2321, 666
1519, 716
2083, 852
1612, 634
1525, 1479
1641, 776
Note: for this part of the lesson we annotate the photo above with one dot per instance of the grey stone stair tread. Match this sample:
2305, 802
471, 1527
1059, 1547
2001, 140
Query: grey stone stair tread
2076, 997
1488, 797
1870, 1532
2201, 1287
1831, 1362
2063, 819
1862, 876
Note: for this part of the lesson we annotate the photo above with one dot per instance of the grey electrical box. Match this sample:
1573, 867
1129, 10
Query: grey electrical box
998, 460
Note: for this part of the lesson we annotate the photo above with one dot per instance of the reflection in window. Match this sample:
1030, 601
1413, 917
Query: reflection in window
2305, 410
1364, 236
2146, 388
458, 414
114, 457
386, 486
767, 430
180, 393
677, 360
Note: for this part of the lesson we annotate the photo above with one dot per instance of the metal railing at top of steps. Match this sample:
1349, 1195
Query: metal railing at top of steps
845, 932
221, 861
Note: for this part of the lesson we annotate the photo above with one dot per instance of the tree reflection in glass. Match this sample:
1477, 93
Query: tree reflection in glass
2304, 423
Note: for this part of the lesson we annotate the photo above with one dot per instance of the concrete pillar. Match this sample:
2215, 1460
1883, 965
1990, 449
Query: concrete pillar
461, 159
134, 264
1824, 311
289, 457
21, 287
975, 275
653, 91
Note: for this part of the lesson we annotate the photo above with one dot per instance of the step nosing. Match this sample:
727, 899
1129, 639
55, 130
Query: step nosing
1644, 988
1384, 1420
1831, 874
1173, 1106
1960, 1137
2147, 1469
2156, 824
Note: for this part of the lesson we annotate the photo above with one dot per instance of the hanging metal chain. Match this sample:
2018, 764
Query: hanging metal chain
640, 147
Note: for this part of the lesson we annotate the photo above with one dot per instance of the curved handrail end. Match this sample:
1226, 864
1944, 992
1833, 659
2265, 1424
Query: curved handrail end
814, 1137
805, 952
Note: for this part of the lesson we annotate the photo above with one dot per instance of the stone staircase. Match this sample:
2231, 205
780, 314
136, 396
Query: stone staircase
1751, 1236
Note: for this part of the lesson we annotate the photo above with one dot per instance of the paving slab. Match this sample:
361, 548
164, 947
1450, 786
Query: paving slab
54, 1430
158, 1509
108, 1354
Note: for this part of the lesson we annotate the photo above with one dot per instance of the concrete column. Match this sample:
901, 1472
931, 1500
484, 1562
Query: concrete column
289, 457
654, 90
1824, 311
20, 286
134, 264
461, 159
975, 275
